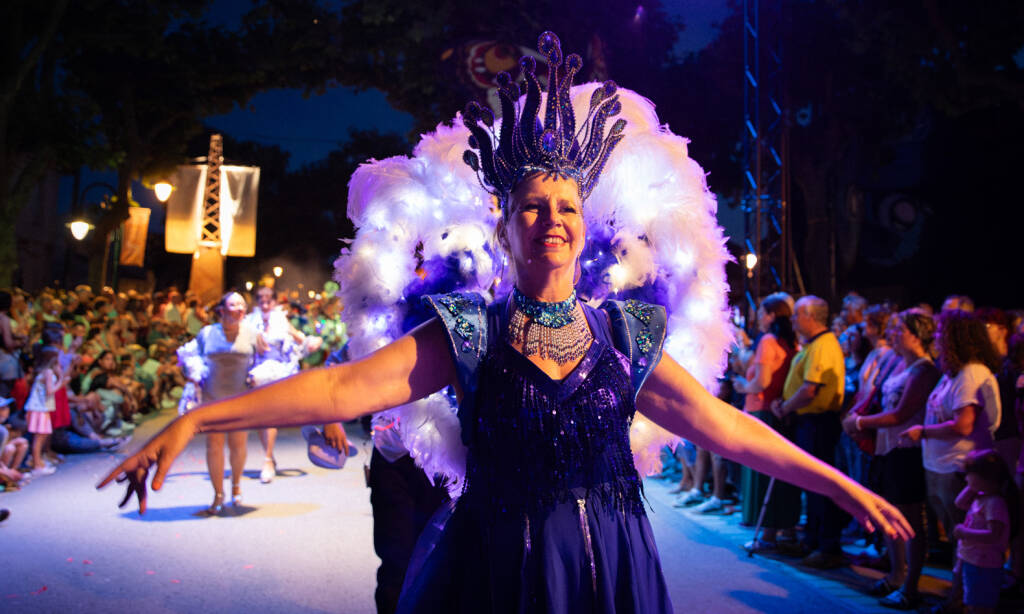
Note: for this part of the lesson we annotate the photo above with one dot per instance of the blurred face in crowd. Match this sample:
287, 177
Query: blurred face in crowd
265, 299
850, 314
999, 336
802, 321
107, 362
872, 332
901, 337
764, 319
233, 309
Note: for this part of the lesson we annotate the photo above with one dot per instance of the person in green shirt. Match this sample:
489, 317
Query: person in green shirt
813, 393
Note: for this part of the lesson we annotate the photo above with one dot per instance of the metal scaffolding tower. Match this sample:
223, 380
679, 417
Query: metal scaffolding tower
769, 261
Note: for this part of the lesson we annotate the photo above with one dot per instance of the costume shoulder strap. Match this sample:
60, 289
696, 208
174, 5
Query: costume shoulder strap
464, 315
638, 331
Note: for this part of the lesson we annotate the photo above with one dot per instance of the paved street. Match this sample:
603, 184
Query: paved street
303, 544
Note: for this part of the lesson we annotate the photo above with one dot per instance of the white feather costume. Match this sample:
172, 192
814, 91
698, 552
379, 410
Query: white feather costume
651, 195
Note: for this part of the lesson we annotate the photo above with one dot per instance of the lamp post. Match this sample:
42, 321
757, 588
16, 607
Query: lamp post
80, 225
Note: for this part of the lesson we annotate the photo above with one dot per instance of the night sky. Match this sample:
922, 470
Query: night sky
308, 128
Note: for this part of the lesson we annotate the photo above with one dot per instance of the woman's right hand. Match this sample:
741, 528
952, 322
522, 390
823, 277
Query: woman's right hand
161, 451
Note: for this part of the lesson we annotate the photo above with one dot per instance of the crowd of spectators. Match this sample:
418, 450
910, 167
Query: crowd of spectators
911, 403
907, 402
79, 370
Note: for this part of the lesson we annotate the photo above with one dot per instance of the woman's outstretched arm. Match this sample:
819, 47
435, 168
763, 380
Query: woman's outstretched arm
672, 398
409, 368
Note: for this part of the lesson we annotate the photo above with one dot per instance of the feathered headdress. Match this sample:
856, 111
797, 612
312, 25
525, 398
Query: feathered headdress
525, 145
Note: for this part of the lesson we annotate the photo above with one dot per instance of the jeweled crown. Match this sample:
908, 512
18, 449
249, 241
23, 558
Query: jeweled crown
526, 146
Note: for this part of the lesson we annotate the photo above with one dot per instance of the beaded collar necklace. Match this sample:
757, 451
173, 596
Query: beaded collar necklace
555, 331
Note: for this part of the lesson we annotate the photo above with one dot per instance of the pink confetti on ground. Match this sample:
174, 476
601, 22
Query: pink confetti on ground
177, 535
248, 566
70, 559
12, 596
175, 581
88, 573
40, 591
86, 562
150, 572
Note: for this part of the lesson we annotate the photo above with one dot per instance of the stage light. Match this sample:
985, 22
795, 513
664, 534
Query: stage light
278, 271
163, 191
79, 228
311, 294
248, 286
751, 261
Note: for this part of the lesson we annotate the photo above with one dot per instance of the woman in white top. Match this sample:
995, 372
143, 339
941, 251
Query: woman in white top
285, 346
217, 363
962, 414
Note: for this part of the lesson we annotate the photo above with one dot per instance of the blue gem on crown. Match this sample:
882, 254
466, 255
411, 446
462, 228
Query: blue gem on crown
526, 146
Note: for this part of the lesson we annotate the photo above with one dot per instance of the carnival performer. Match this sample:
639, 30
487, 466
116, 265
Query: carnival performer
216, 363
285, 347
550, 516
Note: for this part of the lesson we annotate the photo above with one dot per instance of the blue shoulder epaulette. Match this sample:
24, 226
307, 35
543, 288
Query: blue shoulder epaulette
464, 315
638, 331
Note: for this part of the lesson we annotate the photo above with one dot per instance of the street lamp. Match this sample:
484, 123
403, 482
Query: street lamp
278, 271
163, 191
750, 260
79, 228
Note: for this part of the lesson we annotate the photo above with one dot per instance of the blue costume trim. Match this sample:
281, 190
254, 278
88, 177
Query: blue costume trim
638, 330
464, 315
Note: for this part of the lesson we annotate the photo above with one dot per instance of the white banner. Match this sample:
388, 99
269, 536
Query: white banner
239, 192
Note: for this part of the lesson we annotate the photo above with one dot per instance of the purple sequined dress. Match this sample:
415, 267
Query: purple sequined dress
552, 518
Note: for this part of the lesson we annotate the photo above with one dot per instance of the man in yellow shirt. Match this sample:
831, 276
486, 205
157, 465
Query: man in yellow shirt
814, 393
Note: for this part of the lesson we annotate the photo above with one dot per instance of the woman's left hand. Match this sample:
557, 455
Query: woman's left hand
871, 511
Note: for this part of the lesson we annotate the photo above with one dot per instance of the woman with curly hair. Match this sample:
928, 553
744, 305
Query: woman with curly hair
963, 413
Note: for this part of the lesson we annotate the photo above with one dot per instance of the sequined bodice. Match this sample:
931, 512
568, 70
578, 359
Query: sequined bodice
536, 441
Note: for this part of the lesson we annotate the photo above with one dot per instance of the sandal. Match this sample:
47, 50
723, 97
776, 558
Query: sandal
898, 600
882, 588
216, 508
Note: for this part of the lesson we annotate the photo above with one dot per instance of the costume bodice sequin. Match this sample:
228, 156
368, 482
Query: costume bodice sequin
535, 442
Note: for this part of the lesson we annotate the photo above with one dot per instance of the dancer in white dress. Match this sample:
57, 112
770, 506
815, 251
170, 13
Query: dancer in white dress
285, 348
216, 363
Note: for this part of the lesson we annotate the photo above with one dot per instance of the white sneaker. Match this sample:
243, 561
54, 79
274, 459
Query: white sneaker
44, 470
688, 498
713, 504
